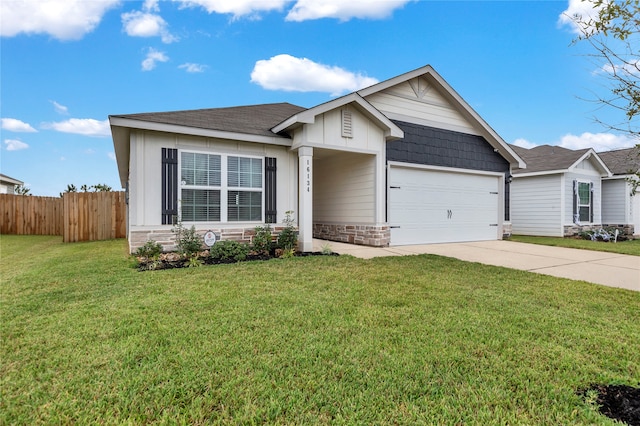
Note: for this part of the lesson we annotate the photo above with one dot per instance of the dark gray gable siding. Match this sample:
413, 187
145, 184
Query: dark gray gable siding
446, 148
438, 147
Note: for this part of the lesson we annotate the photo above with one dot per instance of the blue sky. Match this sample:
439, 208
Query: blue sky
68, 64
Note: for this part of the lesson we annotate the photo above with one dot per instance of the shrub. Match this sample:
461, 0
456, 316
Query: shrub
229, 249
262, 240
150, 250
188, 241
288, 237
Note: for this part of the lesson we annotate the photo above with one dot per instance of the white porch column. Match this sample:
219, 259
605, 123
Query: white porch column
305, 199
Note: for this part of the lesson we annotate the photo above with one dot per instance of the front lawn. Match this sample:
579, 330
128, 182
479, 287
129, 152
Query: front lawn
631, 247
313, 340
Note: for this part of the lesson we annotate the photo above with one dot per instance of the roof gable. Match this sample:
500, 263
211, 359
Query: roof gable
308, 116
446, 108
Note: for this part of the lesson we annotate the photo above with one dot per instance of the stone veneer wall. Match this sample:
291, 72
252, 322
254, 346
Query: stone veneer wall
168, 239
366, 235
573, 230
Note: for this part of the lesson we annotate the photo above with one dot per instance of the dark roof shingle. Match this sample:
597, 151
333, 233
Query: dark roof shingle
622, 161
251, 119
547, 158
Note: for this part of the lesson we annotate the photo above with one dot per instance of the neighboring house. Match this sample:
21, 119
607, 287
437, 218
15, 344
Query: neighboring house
559, 193
619, 207
404, 161
8, 184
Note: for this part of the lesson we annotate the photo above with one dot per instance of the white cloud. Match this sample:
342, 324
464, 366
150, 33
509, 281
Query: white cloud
111, 155
597, 141
15, 125
62, 19
630, 69
81, 126
285, 72
151, 6
191, 67
15, 145
60, 109
142, 24
523, 143
237, 8
343, 10
578, 10
153, 57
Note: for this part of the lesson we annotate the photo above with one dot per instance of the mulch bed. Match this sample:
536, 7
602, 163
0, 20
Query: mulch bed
174, 260
619, 402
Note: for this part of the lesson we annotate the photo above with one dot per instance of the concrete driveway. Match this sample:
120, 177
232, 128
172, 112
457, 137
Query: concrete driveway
610, 269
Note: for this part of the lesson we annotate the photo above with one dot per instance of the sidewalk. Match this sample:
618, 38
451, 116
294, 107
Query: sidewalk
610, 269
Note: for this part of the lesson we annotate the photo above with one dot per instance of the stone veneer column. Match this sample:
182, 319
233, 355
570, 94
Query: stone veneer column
305, 201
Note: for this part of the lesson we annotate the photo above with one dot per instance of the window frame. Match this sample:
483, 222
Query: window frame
224, 187
580, 205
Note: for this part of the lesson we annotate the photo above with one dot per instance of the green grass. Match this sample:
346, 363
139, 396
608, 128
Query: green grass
631, 247
317, 340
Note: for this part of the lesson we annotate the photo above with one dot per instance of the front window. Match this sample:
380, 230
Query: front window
584, 201
220, 188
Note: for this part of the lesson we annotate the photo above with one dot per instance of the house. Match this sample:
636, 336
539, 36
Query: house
404, 161
619, 207
559, 193
8, 184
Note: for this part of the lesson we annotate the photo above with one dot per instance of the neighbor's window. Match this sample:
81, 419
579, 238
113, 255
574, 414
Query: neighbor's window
220, 188
584, 201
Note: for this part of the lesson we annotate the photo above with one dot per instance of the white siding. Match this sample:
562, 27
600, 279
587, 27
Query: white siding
145, 185
428, 106
344, 189
616, 205
536, 205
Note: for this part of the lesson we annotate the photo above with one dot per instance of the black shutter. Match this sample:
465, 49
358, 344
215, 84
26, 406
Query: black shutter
169, 185
591, 201
576, 216
270, 212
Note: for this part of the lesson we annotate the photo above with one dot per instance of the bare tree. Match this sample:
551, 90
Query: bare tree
613, 31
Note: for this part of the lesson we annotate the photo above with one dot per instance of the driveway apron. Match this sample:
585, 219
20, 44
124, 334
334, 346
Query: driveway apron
610, 269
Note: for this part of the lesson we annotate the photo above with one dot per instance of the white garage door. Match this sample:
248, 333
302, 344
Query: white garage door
434, 206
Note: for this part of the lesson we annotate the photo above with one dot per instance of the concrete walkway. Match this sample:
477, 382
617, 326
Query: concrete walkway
610, 269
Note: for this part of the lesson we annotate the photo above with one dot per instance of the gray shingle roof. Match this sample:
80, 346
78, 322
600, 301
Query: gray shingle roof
547, 157
622, 161
252, 119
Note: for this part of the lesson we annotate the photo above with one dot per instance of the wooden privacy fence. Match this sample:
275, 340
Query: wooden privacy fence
77, 216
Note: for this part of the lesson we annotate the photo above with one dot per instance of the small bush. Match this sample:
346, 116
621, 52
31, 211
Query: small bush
288, 237
225, 250
262, 241
188, 241
150, 250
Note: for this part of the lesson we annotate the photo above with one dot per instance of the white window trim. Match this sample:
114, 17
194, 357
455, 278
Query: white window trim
588, 205
224, 188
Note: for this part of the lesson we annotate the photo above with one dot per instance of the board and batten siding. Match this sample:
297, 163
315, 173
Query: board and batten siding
536, 207
344, 189
417, 101
616, 205
145, 189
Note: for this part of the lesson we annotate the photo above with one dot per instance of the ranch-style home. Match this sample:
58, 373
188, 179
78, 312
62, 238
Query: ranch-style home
620, 207
405, 161
560, 192
8, 184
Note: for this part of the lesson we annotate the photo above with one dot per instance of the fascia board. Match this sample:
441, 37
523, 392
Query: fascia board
10, 180
194, 131
542, 173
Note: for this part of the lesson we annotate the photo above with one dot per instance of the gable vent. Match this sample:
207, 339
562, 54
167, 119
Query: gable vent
347, 124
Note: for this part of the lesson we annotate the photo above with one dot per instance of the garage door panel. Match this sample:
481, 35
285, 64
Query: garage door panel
427, 206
